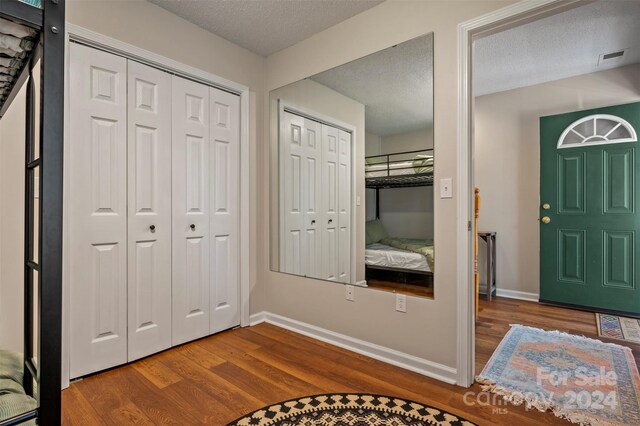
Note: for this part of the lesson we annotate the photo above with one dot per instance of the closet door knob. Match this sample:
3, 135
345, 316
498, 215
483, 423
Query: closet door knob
313, 221
193, 227
152, 228
330, 220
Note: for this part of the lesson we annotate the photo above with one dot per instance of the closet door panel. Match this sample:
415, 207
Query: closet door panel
97, 208
312, 199
301, 196
330, 179
344, 206
149, 210
225, 210
292, 235
191, 210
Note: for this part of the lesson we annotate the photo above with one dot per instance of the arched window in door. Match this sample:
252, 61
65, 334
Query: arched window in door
597, 129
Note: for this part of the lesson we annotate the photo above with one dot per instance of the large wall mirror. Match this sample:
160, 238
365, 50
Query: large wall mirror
352, 165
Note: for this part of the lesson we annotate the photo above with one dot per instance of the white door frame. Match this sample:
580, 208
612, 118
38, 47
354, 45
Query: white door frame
283, 106
75, 33
492, 22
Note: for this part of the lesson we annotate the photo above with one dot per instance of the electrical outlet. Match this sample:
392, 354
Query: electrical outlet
350, 293
401, 302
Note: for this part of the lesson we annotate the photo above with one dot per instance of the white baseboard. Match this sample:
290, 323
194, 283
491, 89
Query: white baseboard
257, 318
362, 283
391, 356
520, 295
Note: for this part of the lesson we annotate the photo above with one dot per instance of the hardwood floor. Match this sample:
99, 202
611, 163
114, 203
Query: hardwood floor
403, 288
495, 318
219, 378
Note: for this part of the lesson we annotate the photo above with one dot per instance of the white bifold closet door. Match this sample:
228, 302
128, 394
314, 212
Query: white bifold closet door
206, 189
330, 183
300, 186
344, 207
224, 153
149, 220
154, 187
191, 210
98, 210
315, 199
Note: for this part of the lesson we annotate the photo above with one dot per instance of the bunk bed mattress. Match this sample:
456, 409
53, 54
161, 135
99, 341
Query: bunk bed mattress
385, 256
395, 169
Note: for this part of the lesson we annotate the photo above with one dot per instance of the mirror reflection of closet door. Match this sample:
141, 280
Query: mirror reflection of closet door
344, 206
301, 196
149, 224
330, 179
315, 199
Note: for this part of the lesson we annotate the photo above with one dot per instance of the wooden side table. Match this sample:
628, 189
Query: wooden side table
490, 239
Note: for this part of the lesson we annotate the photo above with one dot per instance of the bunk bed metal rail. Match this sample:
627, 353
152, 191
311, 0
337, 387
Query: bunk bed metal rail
21, 418
43, 255
399, 169
31, 17
26, 13
396, 173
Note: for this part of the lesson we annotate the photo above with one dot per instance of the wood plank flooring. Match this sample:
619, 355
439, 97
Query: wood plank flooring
219, 378
495, 318
402, 288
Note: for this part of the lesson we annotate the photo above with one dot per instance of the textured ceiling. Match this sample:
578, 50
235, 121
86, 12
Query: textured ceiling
265, 26
395, 85
556, 47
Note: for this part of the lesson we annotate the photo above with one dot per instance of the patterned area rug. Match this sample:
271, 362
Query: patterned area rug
621, 328
349, 409
582, 380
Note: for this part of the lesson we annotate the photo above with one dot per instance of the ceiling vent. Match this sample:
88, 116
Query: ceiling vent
612, 58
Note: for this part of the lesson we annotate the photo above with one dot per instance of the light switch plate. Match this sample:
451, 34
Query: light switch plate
446, 188
358, 200
401, 302
350, 293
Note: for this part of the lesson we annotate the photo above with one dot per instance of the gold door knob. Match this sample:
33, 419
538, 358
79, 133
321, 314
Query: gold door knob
545, 219
546, 206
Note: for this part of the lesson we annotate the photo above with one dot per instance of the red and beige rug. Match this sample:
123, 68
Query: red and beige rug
583, 380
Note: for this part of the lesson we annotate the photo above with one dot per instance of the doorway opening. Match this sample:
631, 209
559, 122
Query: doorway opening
554, 107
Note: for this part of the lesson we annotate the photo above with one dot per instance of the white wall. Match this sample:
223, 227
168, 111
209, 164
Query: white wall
507, 162
12, 172
411, 141
317, 98
428, 329
372, 144
408, 212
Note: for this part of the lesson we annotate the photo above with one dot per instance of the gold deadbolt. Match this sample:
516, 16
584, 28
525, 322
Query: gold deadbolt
546, 206
545, 219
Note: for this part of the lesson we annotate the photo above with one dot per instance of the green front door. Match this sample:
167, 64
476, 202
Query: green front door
589, 209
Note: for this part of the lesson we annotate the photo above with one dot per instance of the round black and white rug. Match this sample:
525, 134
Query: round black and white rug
346, 409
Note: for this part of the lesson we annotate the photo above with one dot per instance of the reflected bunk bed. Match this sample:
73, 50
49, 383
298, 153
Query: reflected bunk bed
393, 255
32, 34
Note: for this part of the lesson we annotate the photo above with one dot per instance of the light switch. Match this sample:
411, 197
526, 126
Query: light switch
446, 188
358, 200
